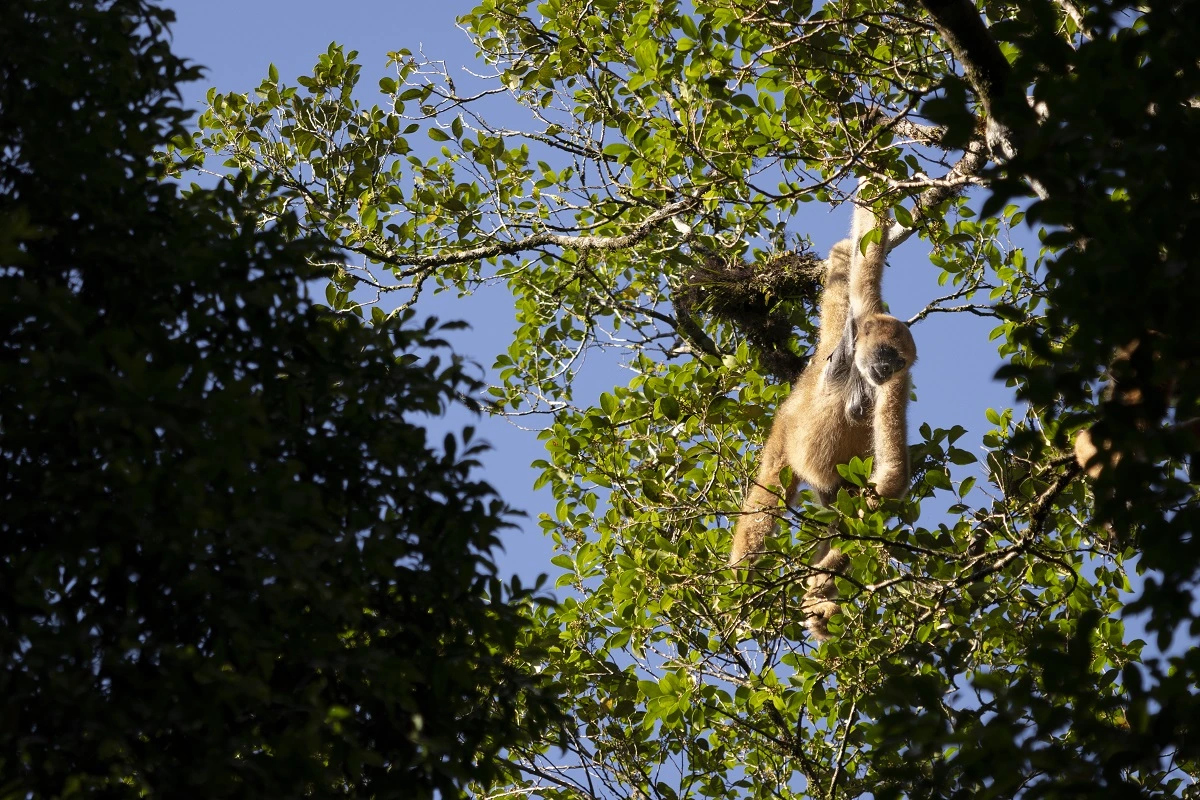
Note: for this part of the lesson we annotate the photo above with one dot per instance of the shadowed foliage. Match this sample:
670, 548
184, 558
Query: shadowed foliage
230, 563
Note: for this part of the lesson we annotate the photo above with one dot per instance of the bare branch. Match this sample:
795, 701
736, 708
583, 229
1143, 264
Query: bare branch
578, 243
961, 175
837, 763
921, 134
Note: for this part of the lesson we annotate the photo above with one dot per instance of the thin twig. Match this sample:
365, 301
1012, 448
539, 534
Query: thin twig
837, 764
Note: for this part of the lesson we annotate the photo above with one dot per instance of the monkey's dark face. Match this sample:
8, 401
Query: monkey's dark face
884, 362
884, 348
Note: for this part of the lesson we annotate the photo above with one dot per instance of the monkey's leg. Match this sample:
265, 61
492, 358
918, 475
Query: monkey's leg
758, 511
819, 601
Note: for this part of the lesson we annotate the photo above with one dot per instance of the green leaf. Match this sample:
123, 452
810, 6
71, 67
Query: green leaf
961, 457
938, 479
369, 216
609, 404
869, 238
645, 55
667, 407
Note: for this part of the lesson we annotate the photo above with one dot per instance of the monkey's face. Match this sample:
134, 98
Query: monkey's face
884, 348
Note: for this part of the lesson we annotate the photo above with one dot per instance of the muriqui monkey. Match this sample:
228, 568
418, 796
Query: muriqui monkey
1145, 396
850, 401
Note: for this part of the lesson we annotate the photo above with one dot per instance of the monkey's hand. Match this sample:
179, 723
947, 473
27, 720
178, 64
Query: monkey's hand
817, 614
890, 483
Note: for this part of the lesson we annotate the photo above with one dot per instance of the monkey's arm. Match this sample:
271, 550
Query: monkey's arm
866, 269
835, 302
890, 450
758, 510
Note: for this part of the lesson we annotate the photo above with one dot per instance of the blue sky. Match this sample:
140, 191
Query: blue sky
236, 41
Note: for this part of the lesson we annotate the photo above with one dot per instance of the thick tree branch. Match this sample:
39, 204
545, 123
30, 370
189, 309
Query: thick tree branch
984, 64
929, 135
988, 72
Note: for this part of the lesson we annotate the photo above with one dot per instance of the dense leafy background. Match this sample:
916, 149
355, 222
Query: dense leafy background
983, 650
642, 208
230, 563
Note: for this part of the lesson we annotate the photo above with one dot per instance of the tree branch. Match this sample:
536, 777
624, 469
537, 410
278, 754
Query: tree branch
988, 72
691, 332
973, 160
837, 764
984, 64
579, 243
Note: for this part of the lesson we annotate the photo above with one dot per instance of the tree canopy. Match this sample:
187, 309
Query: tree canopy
645, 206
230, 563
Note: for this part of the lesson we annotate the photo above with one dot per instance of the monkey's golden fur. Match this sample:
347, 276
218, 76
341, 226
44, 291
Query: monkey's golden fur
1146, 397
850, 401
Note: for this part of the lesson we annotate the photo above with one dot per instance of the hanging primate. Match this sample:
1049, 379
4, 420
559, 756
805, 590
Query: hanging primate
850, 401
1145, 397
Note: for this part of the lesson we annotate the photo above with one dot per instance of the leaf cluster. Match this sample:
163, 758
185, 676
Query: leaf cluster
982, 648
231, 565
